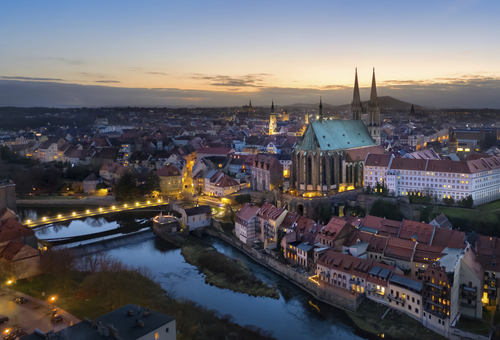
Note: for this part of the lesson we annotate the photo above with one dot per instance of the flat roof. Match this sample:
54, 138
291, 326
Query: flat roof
125, 324
404, 281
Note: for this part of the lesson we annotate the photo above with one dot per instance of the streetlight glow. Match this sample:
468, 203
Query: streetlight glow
100, 209
113, 207
74, 213
28, 221
59, 215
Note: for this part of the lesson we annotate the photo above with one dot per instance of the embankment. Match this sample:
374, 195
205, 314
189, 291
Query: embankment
339, 299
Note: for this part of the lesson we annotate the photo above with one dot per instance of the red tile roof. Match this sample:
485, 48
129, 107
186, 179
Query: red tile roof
246, 213
10, 229
421, 232
168, 170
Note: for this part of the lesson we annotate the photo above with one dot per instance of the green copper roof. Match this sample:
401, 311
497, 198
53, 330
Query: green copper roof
335, 135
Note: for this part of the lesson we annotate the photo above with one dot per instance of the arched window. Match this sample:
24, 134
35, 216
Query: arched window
332, 170
309, 170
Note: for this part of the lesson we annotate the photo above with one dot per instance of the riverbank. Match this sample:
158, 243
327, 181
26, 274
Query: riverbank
364, 313
226, 273
86, 294
394, 325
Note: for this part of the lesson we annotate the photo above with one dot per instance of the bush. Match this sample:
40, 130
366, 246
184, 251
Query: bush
448, 201
467, 202
422, 199
242, 199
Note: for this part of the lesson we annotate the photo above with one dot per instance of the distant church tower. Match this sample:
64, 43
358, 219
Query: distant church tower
356, 107
286, 116
272, 121
320, 111
373, 119
412, 110
452, 144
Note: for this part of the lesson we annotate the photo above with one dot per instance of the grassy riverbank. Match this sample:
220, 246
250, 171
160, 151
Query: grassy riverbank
91, 294
224, 272
397, 326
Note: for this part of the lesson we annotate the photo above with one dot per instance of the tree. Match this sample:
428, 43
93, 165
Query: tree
126, 189
448, 201
244, 198
385, 209
466, 202
151, 184
325, 211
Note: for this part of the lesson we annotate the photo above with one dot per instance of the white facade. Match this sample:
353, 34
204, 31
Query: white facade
483, 186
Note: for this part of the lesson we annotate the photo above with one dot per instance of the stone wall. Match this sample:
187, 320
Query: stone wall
299, 279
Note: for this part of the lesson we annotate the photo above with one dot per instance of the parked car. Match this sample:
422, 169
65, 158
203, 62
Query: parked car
4, 319
56, 318
20, 300
15, 334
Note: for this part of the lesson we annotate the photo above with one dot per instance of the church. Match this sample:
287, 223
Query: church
330, 156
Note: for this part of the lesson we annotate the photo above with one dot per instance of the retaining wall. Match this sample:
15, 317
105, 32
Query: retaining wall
300, 279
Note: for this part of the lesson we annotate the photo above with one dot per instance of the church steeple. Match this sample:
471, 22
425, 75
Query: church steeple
373, 122
272, 121
373, 94
356, 107
250, 103
320, 110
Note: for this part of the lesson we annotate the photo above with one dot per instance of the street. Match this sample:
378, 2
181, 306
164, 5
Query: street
30, 315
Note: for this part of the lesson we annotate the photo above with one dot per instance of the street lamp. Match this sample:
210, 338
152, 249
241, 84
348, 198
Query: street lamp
9, 283
53, 299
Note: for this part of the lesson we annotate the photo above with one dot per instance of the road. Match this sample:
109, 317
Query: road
30, 315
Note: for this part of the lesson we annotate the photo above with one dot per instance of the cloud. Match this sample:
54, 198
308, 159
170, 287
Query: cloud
469, 91
68, 61
140, 69
107, 81
33, 79
257, 80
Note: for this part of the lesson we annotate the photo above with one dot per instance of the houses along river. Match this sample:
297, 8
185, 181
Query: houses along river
294, 316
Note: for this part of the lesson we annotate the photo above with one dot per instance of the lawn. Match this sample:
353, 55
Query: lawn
489, 206
394, 325
468, 214
474, 326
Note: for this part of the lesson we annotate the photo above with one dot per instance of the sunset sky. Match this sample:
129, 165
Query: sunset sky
441, 53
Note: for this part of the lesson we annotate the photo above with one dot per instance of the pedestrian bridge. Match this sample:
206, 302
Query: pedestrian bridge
95, 212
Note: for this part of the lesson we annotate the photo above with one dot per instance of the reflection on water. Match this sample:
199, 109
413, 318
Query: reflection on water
289, 317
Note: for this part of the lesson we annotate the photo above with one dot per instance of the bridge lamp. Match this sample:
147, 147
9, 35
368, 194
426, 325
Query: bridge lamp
125, 205
59, 216
113, 207
149, 202
100, 209
28, 221
88, 211
137, 203
45, 218
74, 213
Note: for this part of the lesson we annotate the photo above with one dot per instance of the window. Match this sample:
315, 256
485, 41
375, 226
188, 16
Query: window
167, 330
416, 310
157, 336
409, 307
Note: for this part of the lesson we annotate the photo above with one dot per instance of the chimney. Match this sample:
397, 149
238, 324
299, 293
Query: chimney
139, 323
130, 312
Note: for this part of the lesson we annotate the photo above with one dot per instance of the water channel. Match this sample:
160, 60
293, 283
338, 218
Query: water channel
290, 317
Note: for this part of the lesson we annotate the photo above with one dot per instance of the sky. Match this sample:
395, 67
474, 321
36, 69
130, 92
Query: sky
224, 53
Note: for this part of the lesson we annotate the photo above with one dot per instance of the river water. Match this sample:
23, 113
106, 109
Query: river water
290, 317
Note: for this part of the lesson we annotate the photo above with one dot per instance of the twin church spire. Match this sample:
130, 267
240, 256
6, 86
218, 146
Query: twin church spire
372, 117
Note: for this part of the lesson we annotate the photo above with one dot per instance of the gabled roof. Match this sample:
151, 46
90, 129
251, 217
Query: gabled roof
420, 231
10, 229
335, 135
449, 238
246, 213
168, 170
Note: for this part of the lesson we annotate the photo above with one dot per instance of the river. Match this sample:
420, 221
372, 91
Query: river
290, 317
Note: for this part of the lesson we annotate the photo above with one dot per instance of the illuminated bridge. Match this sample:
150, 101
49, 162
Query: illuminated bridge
93, 212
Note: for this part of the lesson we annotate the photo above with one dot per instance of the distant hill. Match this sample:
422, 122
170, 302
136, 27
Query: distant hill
386, 103
310, 106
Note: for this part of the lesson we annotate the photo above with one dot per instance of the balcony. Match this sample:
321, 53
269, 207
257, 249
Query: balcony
473, 304
397, 299
355, 282
428, 283
435, 312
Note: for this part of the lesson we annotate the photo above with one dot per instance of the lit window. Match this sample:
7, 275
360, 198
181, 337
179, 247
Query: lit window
157, 336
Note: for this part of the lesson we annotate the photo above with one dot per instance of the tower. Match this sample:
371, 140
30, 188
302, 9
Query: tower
356, 107
286, 116
272, 121
412, 110
373, 119
320, 110
306, 119
453, 144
